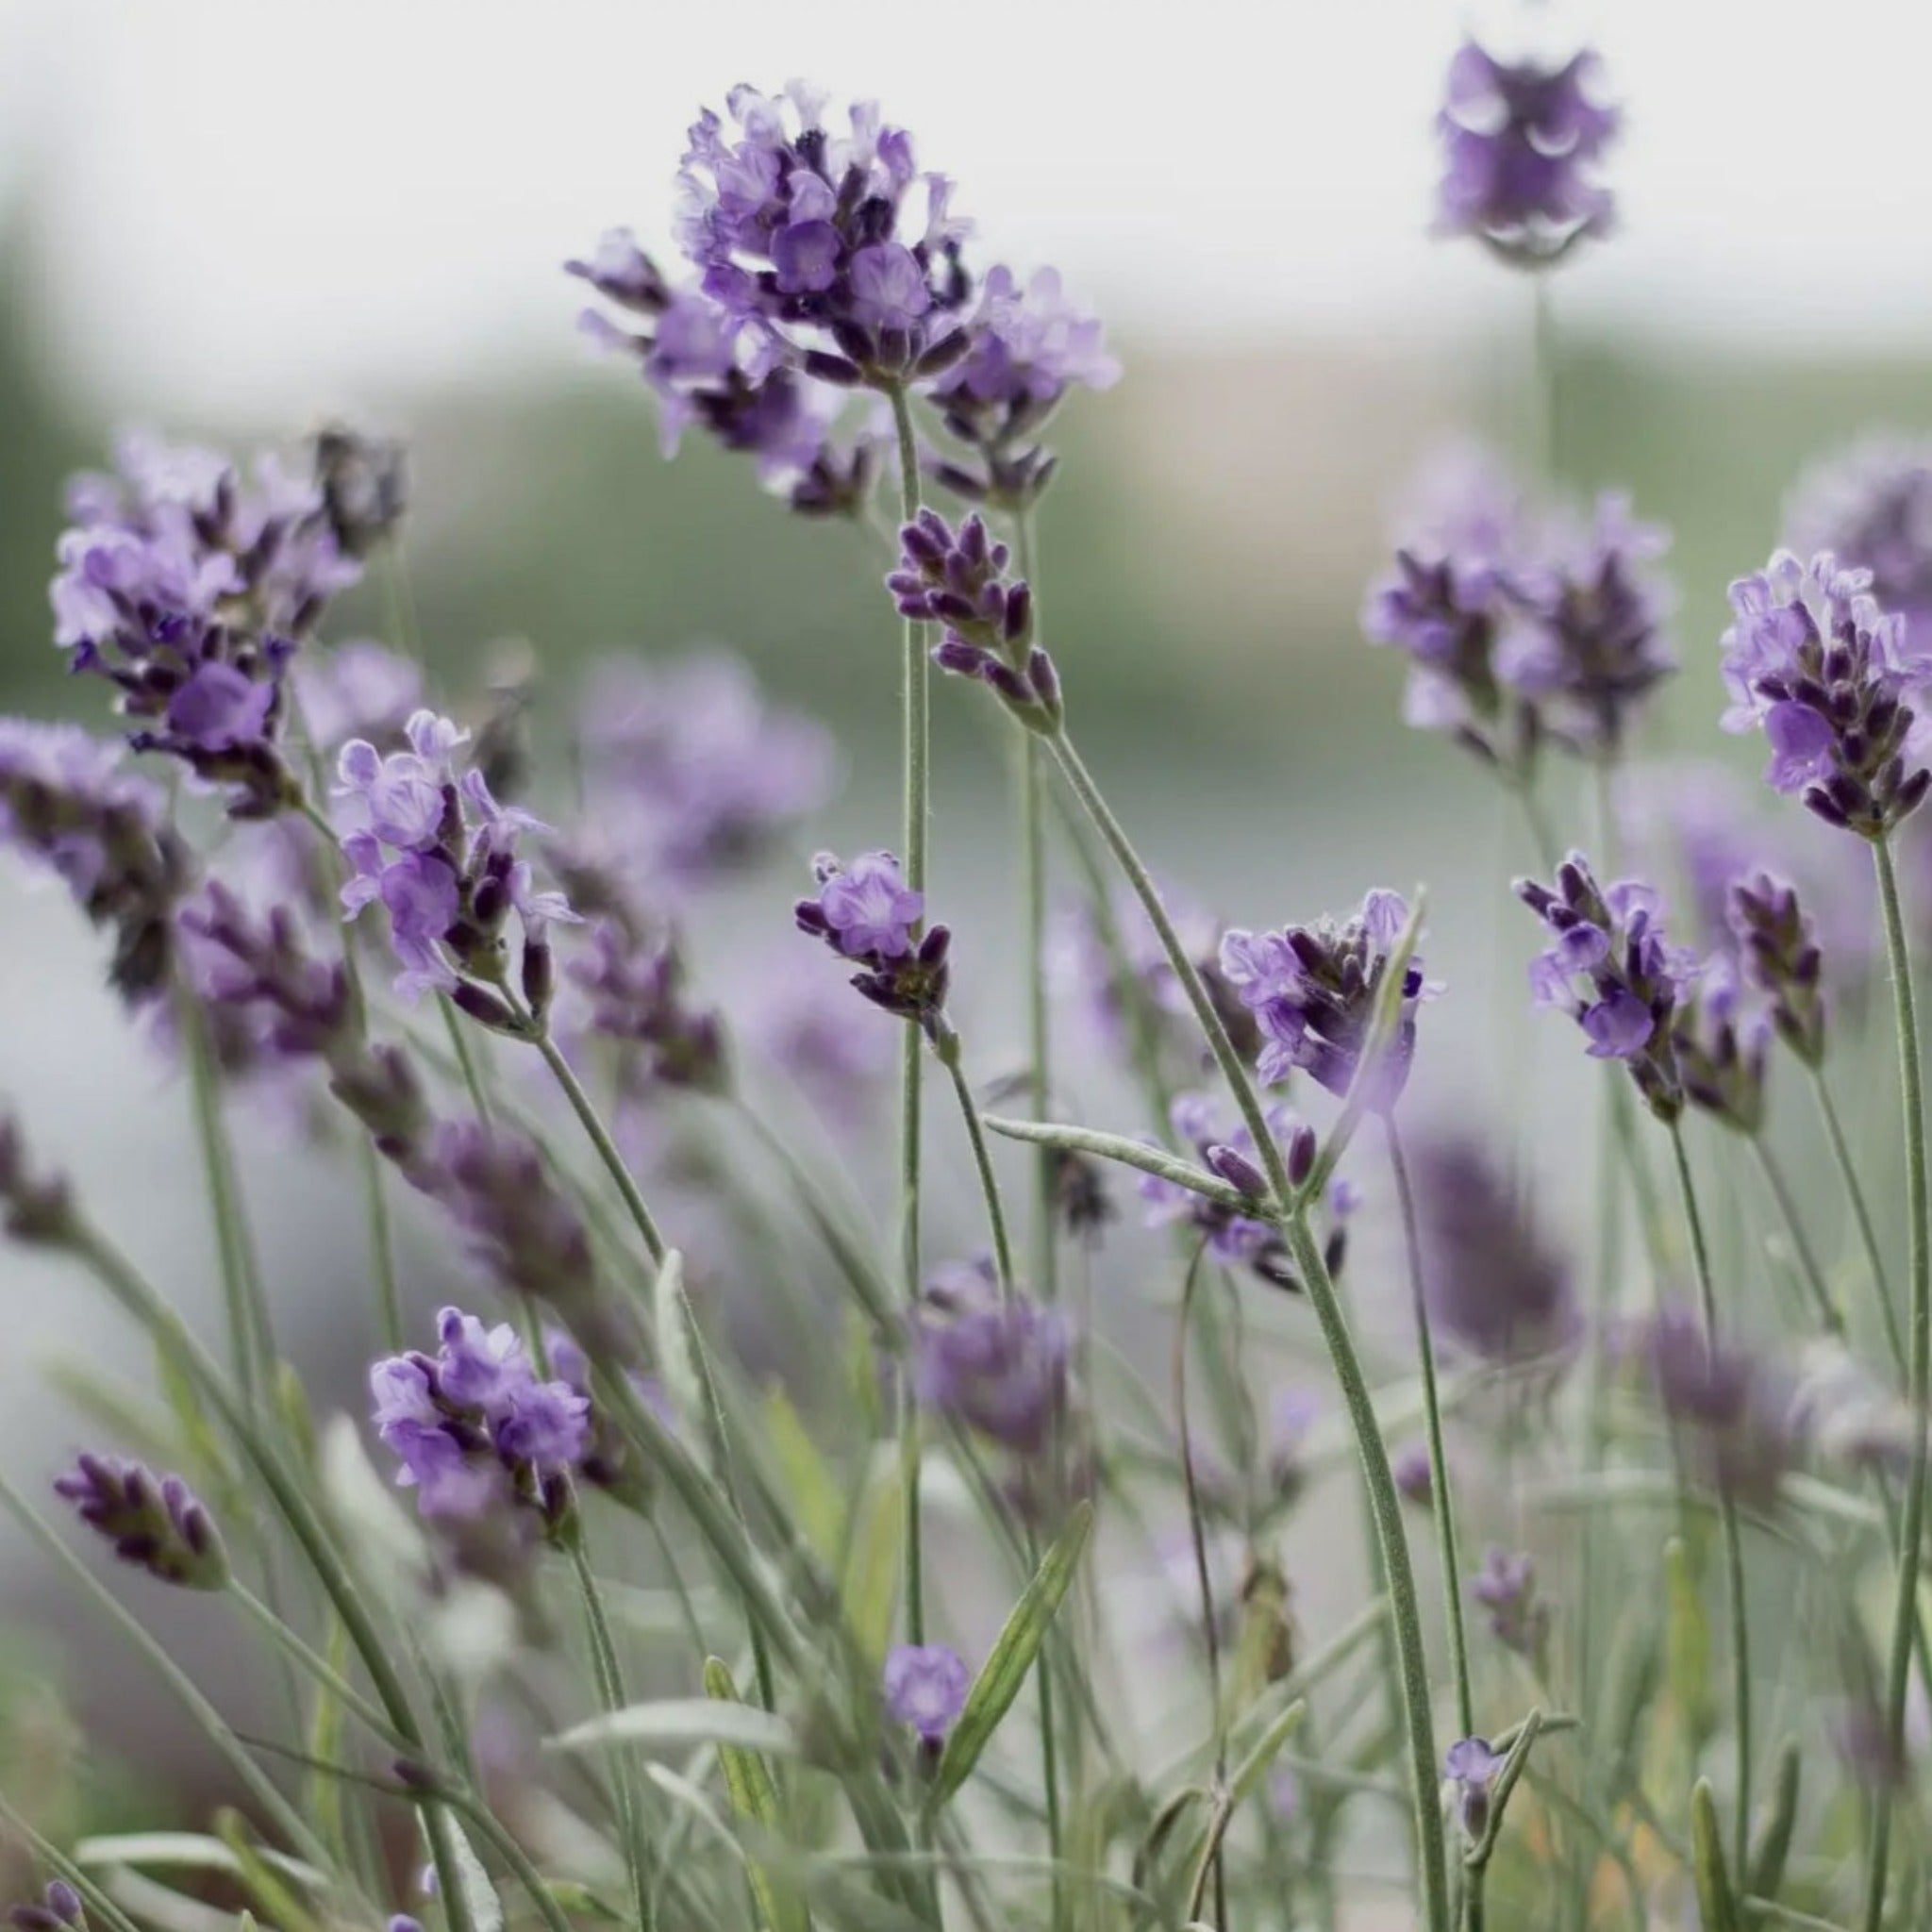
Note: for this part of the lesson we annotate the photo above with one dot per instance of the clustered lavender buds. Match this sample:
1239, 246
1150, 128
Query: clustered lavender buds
635, 995
1779, 954
1226, 1147
190, 590
474, 1426
1612, 970
958, 580
59, 1910
1314, 989
1812, 662
440, 854
66, 803
154, 1523
867, 913
1722, 1043
1520, 147
998, 1365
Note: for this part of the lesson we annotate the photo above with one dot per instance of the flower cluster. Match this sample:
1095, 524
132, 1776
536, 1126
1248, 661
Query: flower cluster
1505, 1588
690, 774
440, 854
1520, 629
1779, 954
473, 1426
1314, 990
189, 589
154, 1523
867, 913
1027, 348
1812, 660
633, 983
997, 1365
1521, 145
1612, 970
959, 579
66, 803
1721, 1039
1494, 1284
1872, 506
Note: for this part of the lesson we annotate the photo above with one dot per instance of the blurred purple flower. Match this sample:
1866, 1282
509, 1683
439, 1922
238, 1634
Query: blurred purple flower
998, 1366
1872, 504
357, 690
925, 1685
1505, 1588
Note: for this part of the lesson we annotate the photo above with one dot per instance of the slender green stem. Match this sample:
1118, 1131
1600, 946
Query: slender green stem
982, 1165
1727, 1518
1861, 1214
1830, 1318
466, 1057
1385, 1508
915, 785
1919, 1277
1432, 1417
608, 1670
312, 1660
607, 1148
382, 1252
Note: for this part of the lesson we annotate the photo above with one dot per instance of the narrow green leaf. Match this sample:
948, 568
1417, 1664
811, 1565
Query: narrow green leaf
870, 1587
191, 1850
1254, 1767
1771, 1844
1154, 1160
755, 1799
486, 1907
1012, 1657
1687, 1642
276, 1899
677, 1365
815, 1494
680, 1723
1714, 1903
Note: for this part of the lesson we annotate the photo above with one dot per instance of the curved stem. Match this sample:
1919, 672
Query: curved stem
1432, 1416
915, 785
982, 1163
1861, 1214
607, 1148
1727, 1517
1905, 1616
1385, 1508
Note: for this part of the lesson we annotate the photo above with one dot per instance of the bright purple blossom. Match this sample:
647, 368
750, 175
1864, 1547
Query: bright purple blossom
1812, 660
67, 805
1313, 990
996, 1365
1520, 145
473, 1426
868, 914
154, 1523
440, 854
925, 1685
1612, 970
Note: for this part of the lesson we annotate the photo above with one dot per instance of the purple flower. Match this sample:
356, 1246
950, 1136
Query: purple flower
58, 1911
1520, 149
1812, 660
154, 1523
867, 913
1496, 1286
1026, 348
475, 1428
1505, 1587
998, 1366
440, 854
802, 1023
1313, 990
688, 773
633, 985
1470, 1766
1872, 506
1610, 968
1198, 1123
66, 805
1728, 1405
189, 587
357, 690
925, 1685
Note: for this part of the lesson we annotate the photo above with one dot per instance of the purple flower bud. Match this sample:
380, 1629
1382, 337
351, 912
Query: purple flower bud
155, 1524
1472, 1767
866, 913
1238, 1170
925, 1685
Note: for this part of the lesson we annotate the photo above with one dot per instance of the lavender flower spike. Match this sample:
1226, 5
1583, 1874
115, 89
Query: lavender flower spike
925, 1685
1505, 1587
1520, 148
1610, 968
867, 913
1780, 956
1814, 662
1313, 990
155, 1524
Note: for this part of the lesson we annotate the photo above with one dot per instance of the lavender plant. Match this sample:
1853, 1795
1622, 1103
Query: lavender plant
676, 1624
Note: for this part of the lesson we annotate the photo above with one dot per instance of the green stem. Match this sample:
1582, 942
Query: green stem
1727, 1517
1861, 1214
915, 783
466, 1058
607, 1148
389, 1300
1820, 1289
982, 1164
1385, 1508
1905, 1616
310, 1659
609, 1672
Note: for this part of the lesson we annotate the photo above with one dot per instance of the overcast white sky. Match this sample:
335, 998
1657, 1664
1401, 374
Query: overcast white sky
283, 203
